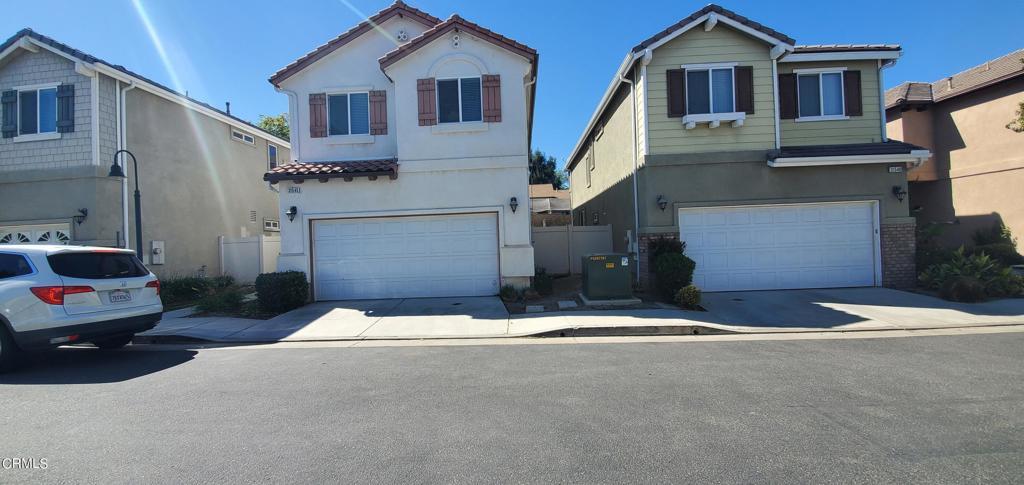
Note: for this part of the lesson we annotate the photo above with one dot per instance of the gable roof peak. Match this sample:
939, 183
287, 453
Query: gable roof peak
760, 29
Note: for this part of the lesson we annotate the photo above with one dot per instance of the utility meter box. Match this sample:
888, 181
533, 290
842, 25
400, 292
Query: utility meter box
607, 277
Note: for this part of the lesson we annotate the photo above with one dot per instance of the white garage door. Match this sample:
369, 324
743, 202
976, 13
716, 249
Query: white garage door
406, 257
783, 246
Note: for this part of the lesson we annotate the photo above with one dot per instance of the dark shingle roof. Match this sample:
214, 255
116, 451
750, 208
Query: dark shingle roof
977, 77
71, 51
398, 8
328, 170
891, 147
804, 49
720, 11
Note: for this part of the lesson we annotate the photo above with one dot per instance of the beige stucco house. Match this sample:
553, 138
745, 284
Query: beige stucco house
411, 136
65, 114
768, 158
974, 178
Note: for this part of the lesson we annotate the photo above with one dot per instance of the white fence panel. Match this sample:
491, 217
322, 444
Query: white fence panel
558, 249
244, 258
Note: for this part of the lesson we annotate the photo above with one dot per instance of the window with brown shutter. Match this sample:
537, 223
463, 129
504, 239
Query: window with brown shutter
676, 87
426, 96
787, 96
66, 108
10, 114
378, 112
852, 94
318, 115
492, 97
744, 84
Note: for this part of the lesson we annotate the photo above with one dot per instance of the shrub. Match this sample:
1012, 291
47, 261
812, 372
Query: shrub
183, 289
664, 245
929, 250
543, 283
1005, 253
673, 271
688, 297
222, 281
509, 293
282, 291
227, 301
965, 275
997, 234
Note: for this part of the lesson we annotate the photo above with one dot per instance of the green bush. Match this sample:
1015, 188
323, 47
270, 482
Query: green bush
222, 281
688, 297
1005, 253
673, 271
543, 282
997, 234
509, 293
281, 292
965, 275
929, 250
227, 301
182, 289
664, 245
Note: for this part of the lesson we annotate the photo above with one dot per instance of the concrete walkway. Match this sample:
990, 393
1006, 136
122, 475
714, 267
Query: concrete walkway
851, 309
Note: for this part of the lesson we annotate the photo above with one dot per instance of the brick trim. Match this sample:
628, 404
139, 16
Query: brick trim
898, 245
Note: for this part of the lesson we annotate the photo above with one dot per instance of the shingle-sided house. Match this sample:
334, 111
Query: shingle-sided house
65, 114
411, 136
768, 158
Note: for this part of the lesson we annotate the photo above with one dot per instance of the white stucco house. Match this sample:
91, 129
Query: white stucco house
410, 138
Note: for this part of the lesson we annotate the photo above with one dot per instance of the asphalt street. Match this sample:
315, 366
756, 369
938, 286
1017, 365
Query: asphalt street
937, 409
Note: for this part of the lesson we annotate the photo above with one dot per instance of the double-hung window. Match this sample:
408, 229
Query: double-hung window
710, 90
820, 95
459, 100
348, 114
37, 111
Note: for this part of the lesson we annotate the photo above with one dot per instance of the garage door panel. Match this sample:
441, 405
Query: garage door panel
405, 257
773, 247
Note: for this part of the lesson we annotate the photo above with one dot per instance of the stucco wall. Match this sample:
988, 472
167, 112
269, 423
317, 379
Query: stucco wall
857, 129
722, 44
71, 149
197, 182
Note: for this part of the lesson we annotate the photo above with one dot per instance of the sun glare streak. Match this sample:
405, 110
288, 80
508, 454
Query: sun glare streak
373, 24
194, 123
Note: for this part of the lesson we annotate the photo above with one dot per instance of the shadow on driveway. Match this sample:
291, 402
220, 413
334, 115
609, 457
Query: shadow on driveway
84, 365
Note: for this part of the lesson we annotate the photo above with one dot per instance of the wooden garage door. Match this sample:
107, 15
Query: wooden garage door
406, 257
782, 246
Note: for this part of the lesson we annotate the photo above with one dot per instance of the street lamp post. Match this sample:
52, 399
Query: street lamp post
117, 171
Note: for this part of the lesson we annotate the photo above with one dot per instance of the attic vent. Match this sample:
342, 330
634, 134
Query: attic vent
402, 36
456, 41
252, 216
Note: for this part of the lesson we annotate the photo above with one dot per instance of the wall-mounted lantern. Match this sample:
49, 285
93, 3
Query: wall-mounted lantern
899, 192
662, 202
514, 204
291, 212
80, 218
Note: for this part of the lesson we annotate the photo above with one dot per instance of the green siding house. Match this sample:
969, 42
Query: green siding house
768, 158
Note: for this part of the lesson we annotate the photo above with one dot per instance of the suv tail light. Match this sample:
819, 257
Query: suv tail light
154, 284
54, 295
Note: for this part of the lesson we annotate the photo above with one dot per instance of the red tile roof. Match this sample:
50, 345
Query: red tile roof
397, 8
328, 170
455, 22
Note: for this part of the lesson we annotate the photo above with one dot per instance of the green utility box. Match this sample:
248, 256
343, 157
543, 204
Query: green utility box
607, 277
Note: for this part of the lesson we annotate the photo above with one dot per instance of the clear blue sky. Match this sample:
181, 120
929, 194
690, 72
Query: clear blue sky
224, 51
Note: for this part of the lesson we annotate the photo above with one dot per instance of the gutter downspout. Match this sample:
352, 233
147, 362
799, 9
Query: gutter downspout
775, 96
122, 143
293, 111
636, 205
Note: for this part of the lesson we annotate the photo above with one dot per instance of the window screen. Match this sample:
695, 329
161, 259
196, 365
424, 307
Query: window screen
337, 107
472, 109
359, 109
448, 101
810, 95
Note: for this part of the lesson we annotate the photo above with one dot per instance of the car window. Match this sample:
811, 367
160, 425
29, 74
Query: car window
97, 265
12, 265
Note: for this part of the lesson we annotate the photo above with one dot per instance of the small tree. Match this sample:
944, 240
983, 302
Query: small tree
544, 170
275, 125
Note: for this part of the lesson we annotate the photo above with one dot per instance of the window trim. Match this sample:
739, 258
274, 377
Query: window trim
37, 136
819, 71
690, 120
437, 96
272, 163
251, 141
348, 93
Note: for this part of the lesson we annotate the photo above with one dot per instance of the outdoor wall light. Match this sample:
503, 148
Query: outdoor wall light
80, 218
514, 204
899, 192
291, 212
662, 202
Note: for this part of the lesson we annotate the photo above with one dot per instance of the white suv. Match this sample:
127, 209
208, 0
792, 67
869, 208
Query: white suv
54, 295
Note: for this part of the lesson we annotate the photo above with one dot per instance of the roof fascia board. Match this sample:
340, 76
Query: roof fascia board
915, 156
840, 56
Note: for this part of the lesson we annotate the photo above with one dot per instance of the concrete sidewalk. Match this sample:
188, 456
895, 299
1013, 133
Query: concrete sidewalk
841, 310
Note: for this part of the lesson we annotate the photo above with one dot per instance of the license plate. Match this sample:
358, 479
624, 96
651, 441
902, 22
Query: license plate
120, 296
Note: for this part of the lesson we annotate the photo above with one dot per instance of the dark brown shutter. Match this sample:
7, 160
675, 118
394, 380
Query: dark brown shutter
852, 94
787, 96
378, 112
492, 97
426, 96
744, 89
317, 115
9, 99
66, 108
676, 92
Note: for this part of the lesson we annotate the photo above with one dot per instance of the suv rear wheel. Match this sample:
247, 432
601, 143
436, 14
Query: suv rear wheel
10, 354
113, 342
